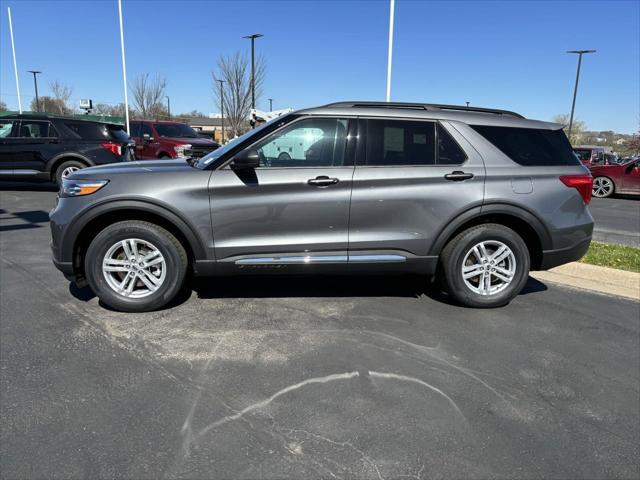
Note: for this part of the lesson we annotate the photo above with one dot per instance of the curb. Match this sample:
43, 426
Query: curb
583, 276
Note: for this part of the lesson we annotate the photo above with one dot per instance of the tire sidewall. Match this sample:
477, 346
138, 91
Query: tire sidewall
456, 283
174, 277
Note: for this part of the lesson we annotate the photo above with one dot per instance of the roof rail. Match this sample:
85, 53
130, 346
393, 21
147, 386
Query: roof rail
424, 106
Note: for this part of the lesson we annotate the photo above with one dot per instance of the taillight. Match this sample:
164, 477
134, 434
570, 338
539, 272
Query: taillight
582, 183
113, 147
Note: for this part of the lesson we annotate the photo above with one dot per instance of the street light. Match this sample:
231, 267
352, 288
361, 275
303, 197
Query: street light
168, 106
575, 88
35, 83
221, 110
270, 104
253, 67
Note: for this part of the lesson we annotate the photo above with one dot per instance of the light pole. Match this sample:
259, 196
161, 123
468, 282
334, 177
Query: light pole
392, 7
168, 106
253, 67
35, 84
270, 104
221, 110
575, 88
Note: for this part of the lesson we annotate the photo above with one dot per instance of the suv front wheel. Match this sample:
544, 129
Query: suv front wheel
485, 266
135, 266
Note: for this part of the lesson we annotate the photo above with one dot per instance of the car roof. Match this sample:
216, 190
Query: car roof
168, 122
48, 116
431, 111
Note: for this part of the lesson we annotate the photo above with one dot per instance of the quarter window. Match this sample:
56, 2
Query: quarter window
313, 142
530, 146
135, 129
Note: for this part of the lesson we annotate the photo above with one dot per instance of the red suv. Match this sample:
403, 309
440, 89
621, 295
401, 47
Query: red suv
160, 139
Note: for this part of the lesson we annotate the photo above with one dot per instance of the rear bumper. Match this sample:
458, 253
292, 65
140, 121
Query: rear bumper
553, 258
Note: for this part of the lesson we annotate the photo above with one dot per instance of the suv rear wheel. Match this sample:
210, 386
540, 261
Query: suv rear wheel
67, 168
485, 266
135, 266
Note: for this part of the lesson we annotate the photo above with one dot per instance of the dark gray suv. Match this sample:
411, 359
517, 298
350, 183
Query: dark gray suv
475, 196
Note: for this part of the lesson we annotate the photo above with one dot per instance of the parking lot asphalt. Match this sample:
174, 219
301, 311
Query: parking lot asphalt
617, 220
319, 377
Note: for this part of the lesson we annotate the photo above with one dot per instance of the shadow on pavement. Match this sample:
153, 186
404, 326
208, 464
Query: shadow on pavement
23, 220
27, 186
279, 286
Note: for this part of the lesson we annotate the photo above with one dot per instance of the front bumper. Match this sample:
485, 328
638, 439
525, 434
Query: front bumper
553, 258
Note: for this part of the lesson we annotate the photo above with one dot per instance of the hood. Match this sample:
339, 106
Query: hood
129, 168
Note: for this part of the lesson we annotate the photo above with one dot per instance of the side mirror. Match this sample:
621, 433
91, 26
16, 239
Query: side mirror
147, 138
246, 160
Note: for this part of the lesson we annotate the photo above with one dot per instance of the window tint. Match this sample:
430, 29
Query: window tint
5, 128
33, 129
530, 146
399, 142
146, 129
449, 152
88, 130
314, 142
175, 130
583, 154
135, 129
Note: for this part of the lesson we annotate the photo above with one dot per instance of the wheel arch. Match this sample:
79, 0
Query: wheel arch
59, 159
525, 223
83, 230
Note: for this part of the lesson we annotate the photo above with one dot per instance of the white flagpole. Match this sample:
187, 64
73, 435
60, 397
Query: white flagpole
390, 54
124, 67
15, 65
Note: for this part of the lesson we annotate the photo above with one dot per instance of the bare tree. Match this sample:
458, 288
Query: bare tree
50, 104
235, 71
148, 95
61, 95
3, 106
578, 128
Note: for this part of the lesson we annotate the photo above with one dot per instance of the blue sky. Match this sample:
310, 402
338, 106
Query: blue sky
497, 54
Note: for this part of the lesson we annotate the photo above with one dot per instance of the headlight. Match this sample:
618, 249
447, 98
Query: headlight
182, 150
78, 188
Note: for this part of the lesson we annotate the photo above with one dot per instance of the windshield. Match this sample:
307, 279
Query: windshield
175, 130
217, 153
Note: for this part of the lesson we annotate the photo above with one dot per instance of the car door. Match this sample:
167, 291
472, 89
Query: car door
8, 128
33, 146
287, 210
631, 178
410, 181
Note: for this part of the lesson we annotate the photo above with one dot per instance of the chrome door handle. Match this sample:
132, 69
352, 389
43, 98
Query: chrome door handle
322, 181
458, 176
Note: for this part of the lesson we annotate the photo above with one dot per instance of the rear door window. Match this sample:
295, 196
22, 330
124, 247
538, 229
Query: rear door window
135, 129
400, 143
449, 152
530, 147
33, 129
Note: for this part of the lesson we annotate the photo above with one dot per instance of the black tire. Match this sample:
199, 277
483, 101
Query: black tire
57, 177
284, 157
164, 156
171, 249
453, 256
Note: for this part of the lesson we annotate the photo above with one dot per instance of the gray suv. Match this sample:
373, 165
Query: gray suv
477, 197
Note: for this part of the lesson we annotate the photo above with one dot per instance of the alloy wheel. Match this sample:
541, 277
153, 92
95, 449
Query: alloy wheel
68, 171
134, 268
602, 187
488, 267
